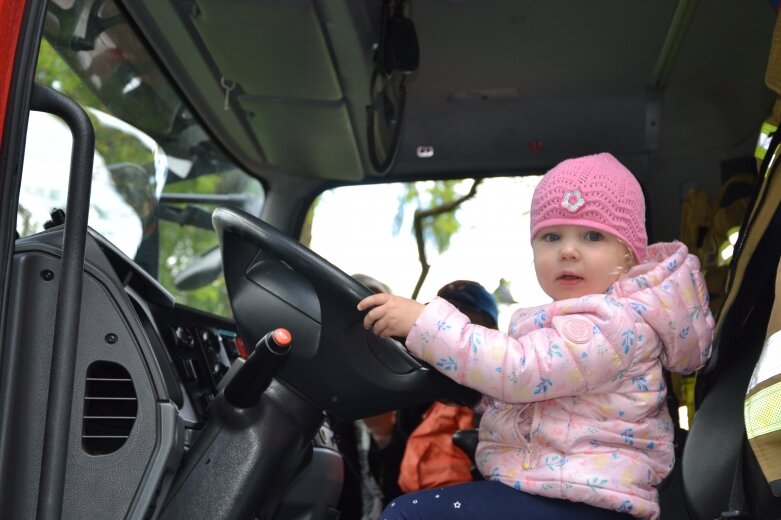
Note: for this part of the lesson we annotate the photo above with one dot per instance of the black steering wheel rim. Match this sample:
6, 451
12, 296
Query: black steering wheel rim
293, 253
273, 280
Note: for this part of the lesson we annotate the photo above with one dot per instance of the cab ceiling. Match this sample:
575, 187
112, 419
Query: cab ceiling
501, 86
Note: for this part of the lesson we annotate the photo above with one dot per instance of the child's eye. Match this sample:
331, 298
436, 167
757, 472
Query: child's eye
594, 236
550, 237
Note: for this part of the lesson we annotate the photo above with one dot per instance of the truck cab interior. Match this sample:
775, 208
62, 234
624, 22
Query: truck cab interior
160, 166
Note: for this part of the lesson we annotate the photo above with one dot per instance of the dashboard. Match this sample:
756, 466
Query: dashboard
149, 424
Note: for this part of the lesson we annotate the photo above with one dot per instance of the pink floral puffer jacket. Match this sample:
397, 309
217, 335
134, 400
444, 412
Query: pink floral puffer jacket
576, 396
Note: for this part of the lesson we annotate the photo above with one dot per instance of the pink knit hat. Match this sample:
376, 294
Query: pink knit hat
595, 191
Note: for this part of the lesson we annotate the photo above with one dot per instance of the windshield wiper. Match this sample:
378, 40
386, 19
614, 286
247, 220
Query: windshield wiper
188, 216
236, 200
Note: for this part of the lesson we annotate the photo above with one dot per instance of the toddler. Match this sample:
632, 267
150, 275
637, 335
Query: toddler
576, 424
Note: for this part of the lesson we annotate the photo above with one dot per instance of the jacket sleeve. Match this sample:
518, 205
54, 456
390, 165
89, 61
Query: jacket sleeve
682, 317
576, 351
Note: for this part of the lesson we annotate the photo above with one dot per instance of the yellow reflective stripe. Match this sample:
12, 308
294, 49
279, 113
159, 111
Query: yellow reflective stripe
762, 411
765, 135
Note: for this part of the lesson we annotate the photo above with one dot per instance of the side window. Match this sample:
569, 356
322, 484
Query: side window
157, 175
369, 230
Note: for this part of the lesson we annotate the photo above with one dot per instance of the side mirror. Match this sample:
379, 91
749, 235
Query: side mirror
201, 272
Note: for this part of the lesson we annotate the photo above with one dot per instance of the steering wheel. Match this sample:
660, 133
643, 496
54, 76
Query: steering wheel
274, 281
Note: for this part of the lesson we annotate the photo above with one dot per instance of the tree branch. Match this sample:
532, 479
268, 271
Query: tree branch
417, 224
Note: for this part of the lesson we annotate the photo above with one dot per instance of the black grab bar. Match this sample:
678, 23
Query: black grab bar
66, 321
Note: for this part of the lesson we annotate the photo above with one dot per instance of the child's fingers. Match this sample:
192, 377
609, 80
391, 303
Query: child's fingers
389, 315
381, 328
368, 322
373, 321
372, 301
380, 323
372, 317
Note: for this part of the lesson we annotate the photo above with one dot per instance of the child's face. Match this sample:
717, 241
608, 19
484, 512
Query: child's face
573, 261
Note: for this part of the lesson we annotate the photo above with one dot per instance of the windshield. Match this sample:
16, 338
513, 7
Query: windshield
485, 238
157, 174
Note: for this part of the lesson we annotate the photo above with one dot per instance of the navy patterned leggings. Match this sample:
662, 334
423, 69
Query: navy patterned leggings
486, 500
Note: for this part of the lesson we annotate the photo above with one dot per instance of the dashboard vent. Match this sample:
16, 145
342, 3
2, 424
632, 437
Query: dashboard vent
110, 408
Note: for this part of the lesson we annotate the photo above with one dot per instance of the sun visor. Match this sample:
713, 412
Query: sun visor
305, 138
253, 45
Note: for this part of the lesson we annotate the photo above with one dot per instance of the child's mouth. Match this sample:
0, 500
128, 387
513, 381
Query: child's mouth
569, 279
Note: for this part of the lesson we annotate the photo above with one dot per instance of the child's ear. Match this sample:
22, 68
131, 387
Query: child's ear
630, 259
629, 262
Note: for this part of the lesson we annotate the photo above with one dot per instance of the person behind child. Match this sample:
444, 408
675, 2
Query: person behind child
576, 424
399, 466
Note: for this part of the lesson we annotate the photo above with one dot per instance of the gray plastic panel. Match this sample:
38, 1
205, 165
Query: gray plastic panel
314, 493
121, 484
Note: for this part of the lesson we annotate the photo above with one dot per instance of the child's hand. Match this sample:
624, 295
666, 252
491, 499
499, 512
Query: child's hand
391, 316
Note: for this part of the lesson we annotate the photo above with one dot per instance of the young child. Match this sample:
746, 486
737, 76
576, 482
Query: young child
576, 424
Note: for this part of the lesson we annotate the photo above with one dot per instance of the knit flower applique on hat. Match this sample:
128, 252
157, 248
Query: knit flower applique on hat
572, 201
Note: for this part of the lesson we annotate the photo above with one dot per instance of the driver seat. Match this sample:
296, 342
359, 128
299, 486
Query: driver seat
717, 439
719, 470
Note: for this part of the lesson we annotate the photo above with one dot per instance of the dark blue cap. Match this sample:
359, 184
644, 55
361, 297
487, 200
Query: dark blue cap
471, 296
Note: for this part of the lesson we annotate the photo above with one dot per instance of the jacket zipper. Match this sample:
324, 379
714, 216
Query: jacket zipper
529, 459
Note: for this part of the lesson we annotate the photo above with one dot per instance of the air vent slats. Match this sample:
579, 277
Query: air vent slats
112, 398
110, 408
108, 417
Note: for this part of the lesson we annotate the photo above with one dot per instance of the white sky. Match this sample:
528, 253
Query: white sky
353, 228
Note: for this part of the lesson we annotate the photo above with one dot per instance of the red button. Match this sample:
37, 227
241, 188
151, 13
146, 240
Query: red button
282, 337
242, 348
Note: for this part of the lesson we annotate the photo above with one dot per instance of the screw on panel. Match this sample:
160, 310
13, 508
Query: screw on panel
111, 338
47, 275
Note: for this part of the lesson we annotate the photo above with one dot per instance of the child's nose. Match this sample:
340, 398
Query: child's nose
569, 251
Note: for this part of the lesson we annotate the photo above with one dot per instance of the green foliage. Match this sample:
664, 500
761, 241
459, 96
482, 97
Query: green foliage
180, 246
131, 164
54, 72
438, 229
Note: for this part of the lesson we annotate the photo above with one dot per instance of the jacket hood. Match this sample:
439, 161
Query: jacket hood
670, 294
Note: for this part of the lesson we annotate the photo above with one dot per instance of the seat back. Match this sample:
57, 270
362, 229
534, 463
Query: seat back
717, 439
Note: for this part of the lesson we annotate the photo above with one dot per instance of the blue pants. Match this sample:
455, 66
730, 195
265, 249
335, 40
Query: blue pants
486, 500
